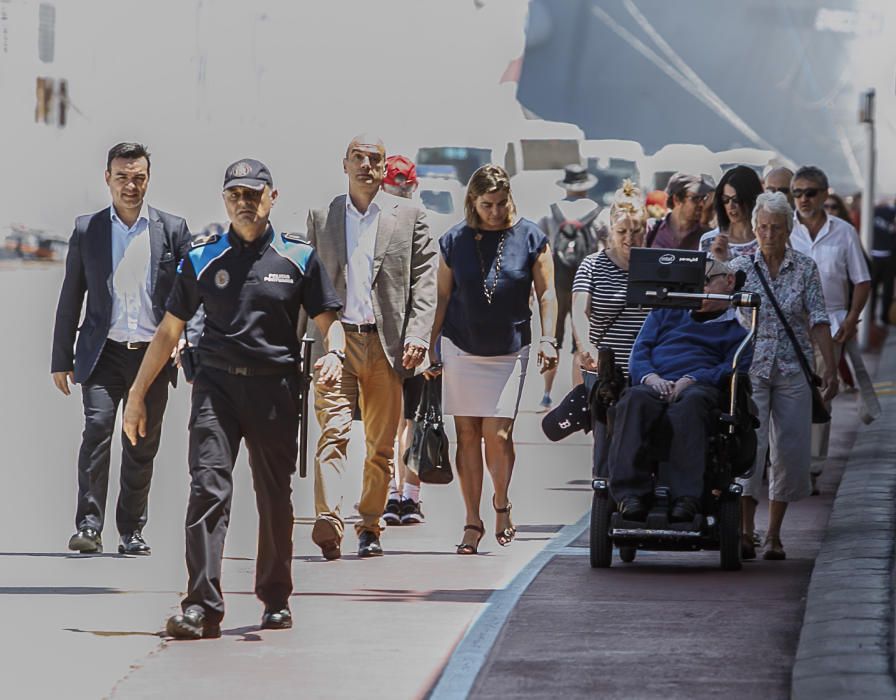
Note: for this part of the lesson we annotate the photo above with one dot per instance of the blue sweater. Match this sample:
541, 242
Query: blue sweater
672, 344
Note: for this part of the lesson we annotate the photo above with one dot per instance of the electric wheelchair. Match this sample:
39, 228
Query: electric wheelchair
731, 450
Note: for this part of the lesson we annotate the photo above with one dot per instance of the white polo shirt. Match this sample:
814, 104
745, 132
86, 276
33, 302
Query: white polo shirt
838, 253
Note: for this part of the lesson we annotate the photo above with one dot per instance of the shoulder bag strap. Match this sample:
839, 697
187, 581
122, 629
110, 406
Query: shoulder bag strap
796, 346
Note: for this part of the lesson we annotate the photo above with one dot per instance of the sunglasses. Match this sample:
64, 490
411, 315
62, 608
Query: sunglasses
810, 192
696, 197
726, 200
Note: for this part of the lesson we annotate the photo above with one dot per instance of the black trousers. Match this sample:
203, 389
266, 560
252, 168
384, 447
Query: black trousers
101, 395
641, 421
225, 410
882, 271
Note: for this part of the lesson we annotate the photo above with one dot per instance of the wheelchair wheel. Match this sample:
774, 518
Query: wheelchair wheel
600, 544
729, 534
627, 554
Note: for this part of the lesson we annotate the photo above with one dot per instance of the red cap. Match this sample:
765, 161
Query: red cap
657, 197
399, 165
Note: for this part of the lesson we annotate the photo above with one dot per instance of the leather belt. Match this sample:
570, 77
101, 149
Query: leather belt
281, 371
131, 345
359, 327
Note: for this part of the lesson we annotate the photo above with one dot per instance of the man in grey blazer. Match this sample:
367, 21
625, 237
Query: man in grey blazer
124, 259
378, 251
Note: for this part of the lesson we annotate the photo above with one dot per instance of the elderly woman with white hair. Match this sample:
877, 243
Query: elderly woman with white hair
780, 388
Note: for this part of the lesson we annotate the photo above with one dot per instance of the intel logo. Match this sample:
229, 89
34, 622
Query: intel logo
667, 259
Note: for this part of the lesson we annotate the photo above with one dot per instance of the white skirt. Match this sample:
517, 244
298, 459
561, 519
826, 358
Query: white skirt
479, 386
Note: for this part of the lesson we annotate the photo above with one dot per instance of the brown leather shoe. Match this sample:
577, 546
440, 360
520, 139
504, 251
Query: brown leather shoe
773, 549
325, 535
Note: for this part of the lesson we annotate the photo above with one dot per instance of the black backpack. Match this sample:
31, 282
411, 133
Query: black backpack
575, 238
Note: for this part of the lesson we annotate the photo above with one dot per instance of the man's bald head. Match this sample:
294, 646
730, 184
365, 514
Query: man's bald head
366, 142
778, 180
778, 177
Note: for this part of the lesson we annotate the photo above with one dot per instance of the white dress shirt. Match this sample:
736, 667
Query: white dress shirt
132, 317
360, 241
838, 253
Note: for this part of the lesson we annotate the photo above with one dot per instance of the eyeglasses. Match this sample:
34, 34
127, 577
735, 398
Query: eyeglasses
710, 278
782, 190
810, 192
726, 200
696, 197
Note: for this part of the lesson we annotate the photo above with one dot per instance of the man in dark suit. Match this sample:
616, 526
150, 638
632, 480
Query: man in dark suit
124, 258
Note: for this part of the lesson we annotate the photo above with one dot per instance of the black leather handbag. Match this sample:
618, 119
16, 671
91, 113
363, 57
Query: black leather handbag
428, 456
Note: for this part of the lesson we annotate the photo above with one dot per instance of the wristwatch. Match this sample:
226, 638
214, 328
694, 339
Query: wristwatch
553, 341
339, 354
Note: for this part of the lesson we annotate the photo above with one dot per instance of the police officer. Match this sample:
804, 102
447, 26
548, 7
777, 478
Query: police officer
252, 283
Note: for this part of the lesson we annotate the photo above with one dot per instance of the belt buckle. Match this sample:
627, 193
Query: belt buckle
240, 371
131, 345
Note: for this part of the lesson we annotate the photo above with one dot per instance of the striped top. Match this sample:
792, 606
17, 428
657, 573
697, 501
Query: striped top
611, 322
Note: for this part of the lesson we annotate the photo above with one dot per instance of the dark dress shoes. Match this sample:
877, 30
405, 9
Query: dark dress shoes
684, 509
369, 545
87, 541
134, 544
192, 624
633, 508
276, 619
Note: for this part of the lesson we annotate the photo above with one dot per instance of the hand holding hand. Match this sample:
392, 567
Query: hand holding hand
679, 387
663, 387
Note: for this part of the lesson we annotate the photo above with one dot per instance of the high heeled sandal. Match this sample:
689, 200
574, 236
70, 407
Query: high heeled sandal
505, 536
464, 548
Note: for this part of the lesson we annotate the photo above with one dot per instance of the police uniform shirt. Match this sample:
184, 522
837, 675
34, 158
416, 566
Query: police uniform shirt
252, 293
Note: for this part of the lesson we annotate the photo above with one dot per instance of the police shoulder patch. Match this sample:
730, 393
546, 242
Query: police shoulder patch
206, 249
294, 238
199, 241
294, 248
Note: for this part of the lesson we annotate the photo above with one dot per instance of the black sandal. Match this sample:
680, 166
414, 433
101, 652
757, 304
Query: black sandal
464, 548
505, 536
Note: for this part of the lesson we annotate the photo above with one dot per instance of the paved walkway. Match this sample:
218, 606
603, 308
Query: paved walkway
668, 625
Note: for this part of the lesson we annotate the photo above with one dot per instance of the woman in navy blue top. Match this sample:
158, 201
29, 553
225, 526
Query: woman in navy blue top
487, 269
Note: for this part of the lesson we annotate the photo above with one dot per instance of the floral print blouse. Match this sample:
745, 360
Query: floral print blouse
797, 289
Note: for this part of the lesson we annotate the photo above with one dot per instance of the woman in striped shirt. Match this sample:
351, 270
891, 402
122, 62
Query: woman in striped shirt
599, 314
601, 281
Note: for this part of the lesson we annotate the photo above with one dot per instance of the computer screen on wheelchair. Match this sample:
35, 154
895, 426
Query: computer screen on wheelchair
654, 273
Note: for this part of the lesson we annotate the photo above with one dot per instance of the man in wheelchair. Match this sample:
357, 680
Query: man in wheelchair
678, 367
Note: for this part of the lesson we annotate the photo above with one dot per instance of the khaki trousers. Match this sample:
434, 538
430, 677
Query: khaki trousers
368, 376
